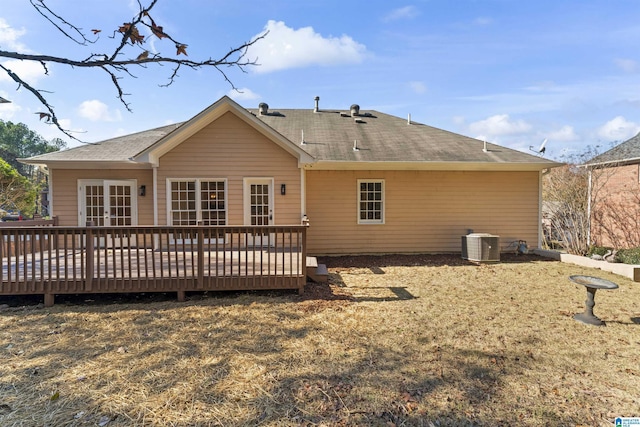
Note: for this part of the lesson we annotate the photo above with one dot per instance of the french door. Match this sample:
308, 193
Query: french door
258, 209
108, 203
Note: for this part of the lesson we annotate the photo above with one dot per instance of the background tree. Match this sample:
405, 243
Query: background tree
565, 194
566, 204
129, 49
16, 191
18, 141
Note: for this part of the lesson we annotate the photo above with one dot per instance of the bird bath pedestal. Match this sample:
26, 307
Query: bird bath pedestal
592, 284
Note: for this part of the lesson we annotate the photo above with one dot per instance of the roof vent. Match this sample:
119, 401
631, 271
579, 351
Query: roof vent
263, 109
355, 110
317, 106
358, 120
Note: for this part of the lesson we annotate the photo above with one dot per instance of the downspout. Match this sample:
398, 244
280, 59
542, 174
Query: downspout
543, 172
50, 187
303, 193
540, 231
155, 195
156, 238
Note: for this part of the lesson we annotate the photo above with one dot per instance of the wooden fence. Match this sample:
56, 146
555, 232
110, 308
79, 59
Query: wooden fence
58, 260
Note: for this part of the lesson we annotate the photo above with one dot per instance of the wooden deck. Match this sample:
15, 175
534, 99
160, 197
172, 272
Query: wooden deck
59, 260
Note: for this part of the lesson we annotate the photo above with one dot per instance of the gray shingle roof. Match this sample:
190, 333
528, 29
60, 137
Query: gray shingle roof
625, 152
117, 149
329, 136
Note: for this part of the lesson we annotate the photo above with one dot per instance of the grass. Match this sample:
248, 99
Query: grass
391, 341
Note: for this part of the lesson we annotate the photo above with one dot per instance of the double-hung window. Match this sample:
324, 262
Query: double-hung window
370, 201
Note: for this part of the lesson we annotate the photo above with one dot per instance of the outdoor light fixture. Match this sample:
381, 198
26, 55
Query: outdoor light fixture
143, 190
283, 189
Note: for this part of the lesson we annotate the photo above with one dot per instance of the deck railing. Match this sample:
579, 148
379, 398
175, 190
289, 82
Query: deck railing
57, 260
27, 245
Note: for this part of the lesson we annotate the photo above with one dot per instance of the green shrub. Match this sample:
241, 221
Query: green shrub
629, 256
598, 250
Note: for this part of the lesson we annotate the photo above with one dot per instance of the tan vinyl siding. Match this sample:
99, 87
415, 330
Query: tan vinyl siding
230, 149
425, 211
65, 192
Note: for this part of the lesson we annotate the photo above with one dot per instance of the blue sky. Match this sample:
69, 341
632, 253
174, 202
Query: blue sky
509, 71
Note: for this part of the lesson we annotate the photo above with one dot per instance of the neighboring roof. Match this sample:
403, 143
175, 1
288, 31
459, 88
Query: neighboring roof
382, 141
627, 152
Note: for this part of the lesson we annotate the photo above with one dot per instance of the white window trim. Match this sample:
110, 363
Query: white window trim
383, 201
198, 204
82, 183
246, 183
198, 198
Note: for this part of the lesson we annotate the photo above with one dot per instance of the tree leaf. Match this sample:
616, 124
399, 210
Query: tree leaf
182, 48
157, 30
45, 116
55, 396
143, 55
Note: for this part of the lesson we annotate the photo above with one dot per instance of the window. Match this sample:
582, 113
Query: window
197, 200
370, 201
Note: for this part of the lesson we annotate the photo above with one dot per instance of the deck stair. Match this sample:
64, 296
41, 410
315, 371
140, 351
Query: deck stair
317, 272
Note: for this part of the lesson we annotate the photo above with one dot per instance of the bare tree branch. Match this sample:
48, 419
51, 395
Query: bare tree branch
54, 18
51, 115
114, 62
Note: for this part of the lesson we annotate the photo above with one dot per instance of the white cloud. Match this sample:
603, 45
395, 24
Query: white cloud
418, 87
618, 129
243, 94
499, 124
285, 47
9, 37
407, 12
565, 134
9, 110
482, 21
28, 71
459, 120
627, 65
97, 111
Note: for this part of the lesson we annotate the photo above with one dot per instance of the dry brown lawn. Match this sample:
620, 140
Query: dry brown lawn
391, 341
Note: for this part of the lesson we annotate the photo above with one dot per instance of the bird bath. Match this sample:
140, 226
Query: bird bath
592, 284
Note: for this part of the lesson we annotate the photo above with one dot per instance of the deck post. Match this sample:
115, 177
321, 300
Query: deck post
200, 257
303, 280
90, 259
181, 296
49, 300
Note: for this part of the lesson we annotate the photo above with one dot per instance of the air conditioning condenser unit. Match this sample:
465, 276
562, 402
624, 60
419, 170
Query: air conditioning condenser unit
481, 247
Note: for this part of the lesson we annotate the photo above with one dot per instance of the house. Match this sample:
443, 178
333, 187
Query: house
614, 192
367, 182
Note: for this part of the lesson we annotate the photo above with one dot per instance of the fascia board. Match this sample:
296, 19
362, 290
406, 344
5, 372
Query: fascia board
611, 163
84, 164
435, 166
